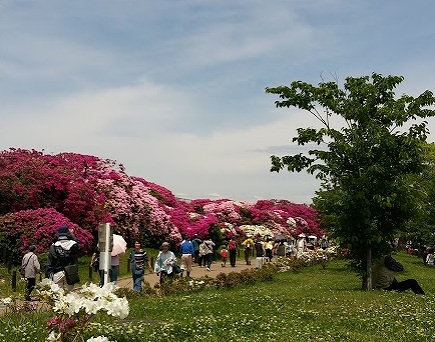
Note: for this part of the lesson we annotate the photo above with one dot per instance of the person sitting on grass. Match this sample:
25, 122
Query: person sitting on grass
383, 276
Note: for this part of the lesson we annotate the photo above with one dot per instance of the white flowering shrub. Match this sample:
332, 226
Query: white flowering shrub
252, 230
318, 257
73, 310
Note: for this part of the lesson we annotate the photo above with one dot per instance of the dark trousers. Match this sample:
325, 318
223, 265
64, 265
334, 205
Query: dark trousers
233, 255
30, 285
407, 284
269, 254
248, 255
164, 276
114, 271
202, 260
196, 257
208, 259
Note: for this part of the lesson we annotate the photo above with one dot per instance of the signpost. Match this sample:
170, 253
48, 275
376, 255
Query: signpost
105, 243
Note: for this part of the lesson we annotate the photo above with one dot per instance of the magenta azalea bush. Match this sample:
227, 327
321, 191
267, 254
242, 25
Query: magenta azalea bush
39, 192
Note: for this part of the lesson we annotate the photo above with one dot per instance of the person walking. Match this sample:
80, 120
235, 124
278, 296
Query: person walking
224, 255
31, 266
232, 248
280, 248
114, 267
259, 251
301, 245
196, 241
186, 252
208, 252
248, 245
138, 260
165, 262
269, 247
63, 252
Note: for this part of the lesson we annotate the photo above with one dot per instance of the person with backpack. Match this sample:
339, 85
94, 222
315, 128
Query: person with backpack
62, 253
232, 248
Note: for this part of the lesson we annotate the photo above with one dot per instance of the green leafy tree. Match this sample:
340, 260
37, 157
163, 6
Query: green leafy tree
420, 229
364, 197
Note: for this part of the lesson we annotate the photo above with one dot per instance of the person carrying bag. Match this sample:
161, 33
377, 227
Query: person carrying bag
62, 265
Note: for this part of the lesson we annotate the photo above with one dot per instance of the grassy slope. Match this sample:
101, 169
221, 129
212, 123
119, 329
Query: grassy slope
313, 304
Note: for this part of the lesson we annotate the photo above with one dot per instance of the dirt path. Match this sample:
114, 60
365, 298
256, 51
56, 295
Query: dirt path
197, 272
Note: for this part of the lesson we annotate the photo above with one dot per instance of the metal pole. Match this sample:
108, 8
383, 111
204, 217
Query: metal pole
14, 280
107, 254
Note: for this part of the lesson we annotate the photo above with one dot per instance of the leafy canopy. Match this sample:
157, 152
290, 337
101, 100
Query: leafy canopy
362, 165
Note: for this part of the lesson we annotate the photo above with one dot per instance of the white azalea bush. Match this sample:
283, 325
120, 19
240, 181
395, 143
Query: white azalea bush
320, 256
317, 257
252, 230
73, 310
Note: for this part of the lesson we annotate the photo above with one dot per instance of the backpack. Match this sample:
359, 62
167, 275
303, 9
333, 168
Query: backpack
202, 249
232, 245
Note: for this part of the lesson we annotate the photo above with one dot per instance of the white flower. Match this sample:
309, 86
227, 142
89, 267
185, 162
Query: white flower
251, 230
53, 337
98, 339
90, 299
50, 289
118, 308
291, 222
7, 300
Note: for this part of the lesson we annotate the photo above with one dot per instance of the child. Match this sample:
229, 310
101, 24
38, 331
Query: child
224, 256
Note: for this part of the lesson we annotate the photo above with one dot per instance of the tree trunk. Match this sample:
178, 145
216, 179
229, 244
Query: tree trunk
367, 279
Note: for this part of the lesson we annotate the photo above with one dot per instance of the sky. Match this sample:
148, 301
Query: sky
175, 89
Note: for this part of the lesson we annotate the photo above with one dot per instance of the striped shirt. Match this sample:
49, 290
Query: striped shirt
139, 258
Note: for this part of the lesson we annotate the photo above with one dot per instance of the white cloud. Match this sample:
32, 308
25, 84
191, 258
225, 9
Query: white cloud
175, 90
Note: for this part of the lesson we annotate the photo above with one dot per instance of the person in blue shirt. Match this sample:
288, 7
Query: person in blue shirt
186, 253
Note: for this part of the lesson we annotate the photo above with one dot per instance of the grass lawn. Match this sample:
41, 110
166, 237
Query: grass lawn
313, 304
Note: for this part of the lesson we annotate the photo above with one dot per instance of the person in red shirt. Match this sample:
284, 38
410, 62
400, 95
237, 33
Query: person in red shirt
224, 256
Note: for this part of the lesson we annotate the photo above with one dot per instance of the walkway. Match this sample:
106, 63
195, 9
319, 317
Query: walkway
197, 272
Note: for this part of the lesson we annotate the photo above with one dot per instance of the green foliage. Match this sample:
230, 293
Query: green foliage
364, 166
420, 229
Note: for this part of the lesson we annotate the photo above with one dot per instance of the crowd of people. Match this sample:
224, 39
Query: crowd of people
65, 251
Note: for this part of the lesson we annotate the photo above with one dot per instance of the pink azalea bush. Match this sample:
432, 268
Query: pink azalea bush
39, 192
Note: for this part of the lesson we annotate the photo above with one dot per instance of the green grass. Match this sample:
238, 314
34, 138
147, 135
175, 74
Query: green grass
313, 304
